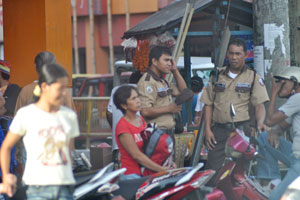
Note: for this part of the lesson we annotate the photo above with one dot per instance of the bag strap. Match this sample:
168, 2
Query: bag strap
153, 140
252, 85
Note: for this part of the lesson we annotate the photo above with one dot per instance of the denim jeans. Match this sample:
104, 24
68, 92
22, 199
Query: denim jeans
268, 168
52, 192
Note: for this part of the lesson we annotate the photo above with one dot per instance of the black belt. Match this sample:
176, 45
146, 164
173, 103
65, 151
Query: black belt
230, 125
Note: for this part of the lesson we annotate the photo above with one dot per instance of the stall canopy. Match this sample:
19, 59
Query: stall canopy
170, 16
167, 17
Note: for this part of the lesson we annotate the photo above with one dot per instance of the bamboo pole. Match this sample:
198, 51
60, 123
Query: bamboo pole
186, 28
75, 37
183, 22
127, 15
92, 35
110, 39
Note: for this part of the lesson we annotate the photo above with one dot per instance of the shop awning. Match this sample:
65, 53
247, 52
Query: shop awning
240, 12
167, 17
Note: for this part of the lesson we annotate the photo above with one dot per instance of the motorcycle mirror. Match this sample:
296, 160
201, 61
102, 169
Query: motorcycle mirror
232, 110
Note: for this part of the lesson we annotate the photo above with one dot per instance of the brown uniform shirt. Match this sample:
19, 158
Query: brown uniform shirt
157, 92
234, 91
26, 96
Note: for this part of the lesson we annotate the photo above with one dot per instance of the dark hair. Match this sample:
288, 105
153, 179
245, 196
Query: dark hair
5, 76
135, 77
122, 94
49, 74
157, 51
238, 42
196, 84
44, 57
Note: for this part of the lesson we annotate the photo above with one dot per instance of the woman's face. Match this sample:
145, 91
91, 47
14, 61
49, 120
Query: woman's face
55, 92
133, 102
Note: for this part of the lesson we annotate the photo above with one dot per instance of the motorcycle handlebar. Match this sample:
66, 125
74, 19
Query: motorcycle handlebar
258, 155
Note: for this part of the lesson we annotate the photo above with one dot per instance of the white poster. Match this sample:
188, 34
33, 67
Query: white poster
271, 32
258, 52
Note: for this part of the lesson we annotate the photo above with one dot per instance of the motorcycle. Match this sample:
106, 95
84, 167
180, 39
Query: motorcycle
232, 179
99, 185
181, 183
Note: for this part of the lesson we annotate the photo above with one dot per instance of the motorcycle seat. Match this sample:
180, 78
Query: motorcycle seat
128, 188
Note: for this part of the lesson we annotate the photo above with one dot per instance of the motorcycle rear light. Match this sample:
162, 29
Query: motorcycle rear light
202, 180
108, 188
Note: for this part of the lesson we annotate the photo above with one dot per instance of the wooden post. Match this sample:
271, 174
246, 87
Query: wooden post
75, 37
33, 26
110, 40
92, 35
127, 15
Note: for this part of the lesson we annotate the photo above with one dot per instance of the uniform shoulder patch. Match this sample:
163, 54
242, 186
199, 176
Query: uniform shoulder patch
149, 89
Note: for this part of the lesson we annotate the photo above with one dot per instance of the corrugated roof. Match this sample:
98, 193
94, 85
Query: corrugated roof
240, 12
165, 18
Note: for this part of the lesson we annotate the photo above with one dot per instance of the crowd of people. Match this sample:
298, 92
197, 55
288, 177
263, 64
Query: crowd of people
149, 98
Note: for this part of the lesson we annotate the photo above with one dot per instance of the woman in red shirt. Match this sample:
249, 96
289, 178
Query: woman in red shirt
128, 132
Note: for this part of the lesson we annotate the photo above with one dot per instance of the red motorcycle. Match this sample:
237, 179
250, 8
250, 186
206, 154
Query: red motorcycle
182, 183
232, 179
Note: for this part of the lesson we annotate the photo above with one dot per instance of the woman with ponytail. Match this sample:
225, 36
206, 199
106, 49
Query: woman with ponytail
48, 130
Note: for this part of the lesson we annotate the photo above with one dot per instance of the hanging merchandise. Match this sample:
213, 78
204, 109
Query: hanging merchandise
129, 48
141, 57
137, 49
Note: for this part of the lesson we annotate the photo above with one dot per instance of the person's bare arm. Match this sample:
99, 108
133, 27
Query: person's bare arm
153, 112
10, 140
2, 108
260, 113
274, 116
276, 131
209, 135
179, 80
130, 146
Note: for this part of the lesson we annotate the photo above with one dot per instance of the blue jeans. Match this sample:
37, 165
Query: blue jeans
53, 192
268, 168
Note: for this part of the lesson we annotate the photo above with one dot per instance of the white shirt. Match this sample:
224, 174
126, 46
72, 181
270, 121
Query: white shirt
200, 104
232, 75
46, 138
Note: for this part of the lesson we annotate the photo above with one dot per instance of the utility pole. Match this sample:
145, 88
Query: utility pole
127, 15
294, 8
75, 37
110, 39
271, 37
92, 35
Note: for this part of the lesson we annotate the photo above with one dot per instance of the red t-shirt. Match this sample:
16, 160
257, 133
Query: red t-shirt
127, 161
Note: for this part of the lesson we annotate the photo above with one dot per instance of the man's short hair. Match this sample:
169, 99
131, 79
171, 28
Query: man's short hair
196, 84
157, 51
238, 42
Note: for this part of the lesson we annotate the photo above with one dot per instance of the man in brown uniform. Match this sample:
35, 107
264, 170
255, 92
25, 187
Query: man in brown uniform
156, 92
237, 85
26, 94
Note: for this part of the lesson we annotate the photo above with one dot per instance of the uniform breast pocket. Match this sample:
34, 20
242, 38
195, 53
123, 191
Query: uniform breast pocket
219, 87
243, 90
242, 87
